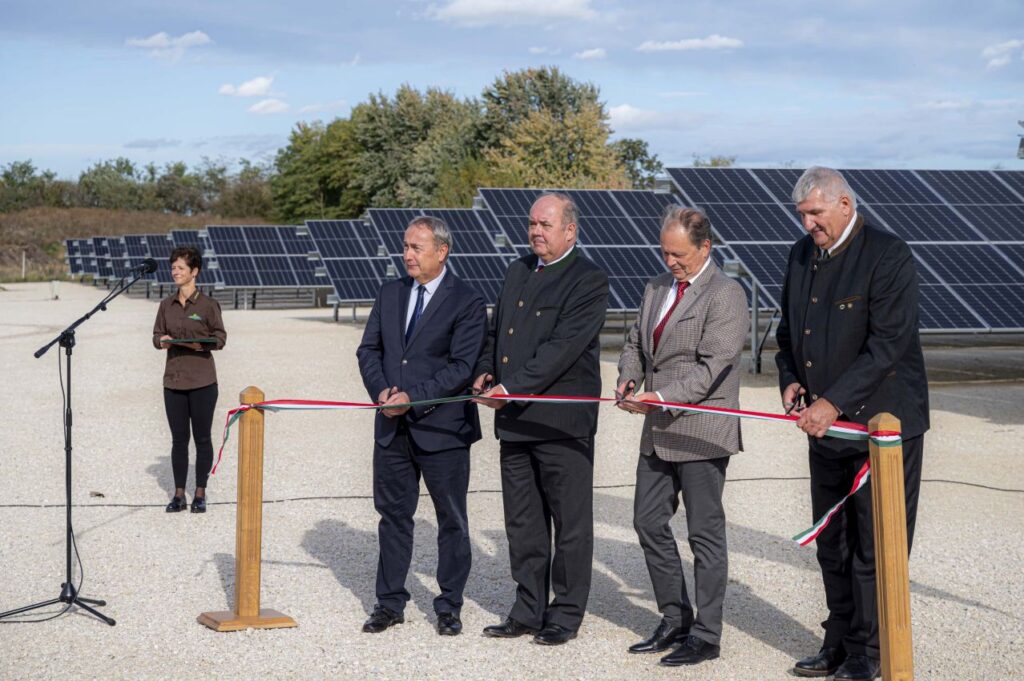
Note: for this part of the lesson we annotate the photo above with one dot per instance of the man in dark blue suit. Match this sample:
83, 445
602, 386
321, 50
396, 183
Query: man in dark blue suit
421, 342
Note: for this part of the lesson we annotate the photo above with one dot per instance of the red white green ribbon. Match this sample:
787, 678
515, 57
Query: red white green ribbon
839, 429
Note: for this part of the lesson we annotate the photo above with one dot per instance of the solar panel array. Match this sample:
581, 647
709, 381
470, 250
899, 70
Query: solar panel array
965, 229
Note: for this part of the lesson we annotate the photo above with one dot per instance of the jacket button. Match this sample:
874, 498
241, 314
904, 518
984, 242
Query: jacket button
813, 396
807, 332
842, 306
808, 364
654, 371
504, 360
814, 299
510, 331
520, 303
814, 268
538, 313
405, 361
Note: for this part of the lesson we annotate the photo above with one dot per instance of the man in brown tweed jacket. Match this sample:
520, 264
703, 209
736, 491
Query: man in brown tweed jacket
685, 347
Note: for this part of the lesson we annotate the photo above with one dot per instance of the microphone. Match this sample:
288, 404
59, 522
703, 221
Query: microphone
146, 267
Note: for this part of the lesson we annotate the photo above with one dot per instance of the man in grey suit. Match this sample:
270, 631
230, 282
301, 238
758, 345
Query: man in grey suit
685, 347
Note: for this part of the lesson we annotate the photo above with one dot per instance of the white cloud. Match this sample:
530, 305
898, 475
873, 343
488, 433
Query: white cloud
257, 87
269, 106
1000, 54
628, 118
155, 143
596, 53
712, 42
948, 104
324, 106
163, 46
480, 12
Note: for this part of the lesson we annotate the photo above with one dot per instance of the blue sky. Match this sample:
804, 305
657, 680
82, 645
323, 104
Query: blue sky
863, 83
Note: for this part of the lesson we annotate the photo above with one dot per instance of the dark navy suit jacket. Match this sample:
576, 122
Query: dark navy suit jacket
438, 361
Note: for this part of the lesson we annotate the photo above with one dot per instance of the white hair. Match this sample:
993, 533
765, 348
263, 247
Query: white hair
831, 183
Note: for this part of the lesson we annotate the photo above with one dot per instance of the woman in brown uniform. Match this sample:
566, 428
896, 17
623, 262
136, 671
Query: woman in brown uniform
189, 326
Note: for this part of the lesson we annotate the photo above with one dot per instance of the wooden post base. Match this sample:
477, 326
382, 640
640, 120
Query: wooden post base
227, 620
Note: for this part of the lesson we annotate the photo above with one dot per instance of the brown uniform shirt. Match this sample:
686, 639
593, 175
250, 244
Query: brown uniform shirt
199, 318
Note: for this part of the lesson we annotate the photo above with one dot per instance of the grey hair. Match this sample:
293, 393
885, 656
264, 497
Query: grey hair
693, 221
831, 183
437, 227
570, 214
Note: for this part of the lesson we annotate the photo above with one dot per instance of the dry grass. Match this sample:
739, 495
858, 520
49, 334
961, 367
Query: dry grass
39, 233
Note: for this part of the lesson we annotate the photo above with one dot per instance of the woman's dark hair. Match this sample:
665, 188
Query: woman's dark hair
191, 256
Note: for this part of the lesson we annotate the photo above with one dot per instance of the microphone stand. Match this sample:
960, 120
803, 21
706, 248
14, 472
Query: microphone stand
68, 593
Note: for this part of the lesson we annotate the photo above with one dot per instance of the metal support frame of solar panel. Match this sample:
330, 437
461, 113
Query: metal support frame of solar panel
619, 230
477, 256
943, 215
263, 256
352, 256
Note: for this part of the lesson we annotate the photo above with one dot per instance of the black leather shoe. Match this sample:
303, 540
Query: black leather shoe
199, 504
693, 651
824, 663
381, 619
663, 638
448, 624
554, 635
858, 668
508, 629
177, 504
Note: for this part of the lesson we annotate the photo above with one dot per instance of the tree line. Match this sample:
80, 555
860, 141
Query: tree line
529, 128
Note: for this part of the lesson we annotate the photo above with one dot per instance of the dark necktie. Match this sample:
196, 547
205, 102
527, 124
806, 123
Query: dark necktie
658, 330
416, 312
540, 268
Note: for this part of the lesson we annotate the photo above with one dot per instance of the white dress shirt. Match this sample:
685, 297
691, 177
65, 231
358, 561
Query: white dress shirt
429, 288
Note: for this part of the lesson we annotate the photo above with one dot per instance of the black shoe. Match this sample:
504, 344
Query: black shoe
663, 638
858, 668
508, 629
177, 504
693, 651
824, 663
199, 504
381, 619
554, 635
448, 624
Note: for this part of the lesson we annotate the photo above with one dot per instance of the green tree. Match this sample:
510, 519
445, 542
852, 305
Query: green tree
22, 186
115, 184
246, 193
714, 162
513, 96
572, 151
315, 174
179, 191
641, 166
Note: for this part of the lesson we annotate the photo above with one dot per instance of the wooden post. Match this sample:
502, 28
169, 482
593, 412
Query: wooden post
891, 572
248, 531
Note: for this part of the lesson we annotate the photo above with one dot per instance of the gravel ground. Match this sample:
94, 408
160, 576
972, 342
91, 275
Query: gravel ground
159, 571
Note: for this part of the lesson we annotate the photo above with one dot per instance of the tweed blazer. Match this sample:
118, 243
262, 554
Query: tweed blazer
697, 362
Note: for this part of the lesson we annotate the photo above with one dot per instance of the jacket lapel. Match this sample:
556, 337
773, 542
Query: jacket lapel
444, 289
690, 296
403, 305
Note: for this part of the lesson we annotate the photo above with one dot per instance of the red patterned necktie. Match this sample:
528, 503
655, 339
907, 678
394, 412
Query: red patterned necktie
658, 330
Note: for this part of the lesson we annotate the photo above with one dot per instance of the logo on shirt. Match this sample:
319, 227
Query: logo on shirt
194, 317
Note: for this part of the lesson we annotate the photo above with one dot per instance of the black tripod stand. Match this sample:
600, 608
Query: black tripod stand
69, 593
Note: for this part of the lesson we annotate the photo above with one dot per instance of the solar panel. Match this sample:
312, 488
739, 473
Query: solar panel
996, 223
925, 222
889, 186
469, 233
938, 310
628, 270
159, 248
1014, 179
752, 222
238, 271
484, 273
185, 237
969, 187
719, 185
780, 182
350, 253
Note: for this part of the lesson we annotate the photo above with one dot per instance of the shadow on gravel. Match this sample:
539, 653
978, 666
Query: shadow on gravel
161, 470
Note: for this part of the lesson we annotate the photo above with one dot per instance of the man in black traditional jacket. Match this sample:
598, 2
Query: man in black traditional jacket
849, 349
544, 340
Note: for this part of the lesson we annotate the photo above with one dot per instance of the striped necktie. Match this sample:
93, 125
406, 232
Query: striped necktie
680, 289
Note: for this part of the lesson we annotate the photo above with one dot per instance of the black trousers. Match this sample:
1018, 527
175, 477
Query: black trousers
396, 492
184, 408
659, 484
544, 486
846, 548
